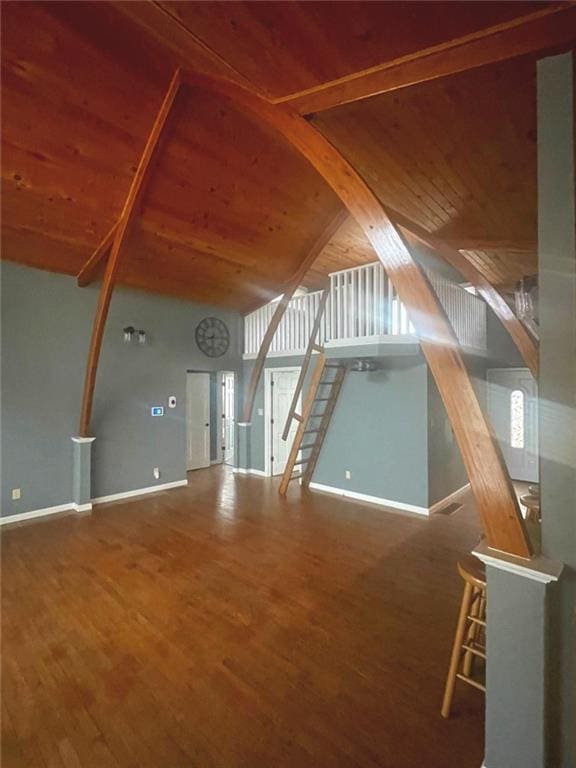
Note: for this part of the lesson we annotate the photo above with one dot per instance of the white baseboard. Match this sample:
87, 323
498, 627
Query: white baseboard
20, 516
371, 499
240, 471
82, 507
139, 492
72, 507
447, 499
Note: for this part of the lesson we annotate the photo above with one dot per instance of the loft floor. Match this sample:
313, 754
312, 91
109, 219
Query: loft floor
220, 625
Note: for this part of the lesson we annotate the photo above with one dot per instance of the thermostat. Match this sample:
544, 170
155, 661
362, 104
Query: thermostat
157, 410
171, 402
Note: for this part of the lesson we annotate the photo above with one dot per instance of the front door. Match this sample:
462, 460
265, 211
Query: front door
197, 420
282, 384
513, 410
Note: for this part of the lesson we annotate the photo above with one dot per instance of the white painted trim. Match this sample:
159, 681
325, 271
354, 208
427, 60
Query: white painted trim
83, 439
20, 516
82, 507
447, 499
537, 569
241, 471
139, 492
371, 499
243, 423
361, 341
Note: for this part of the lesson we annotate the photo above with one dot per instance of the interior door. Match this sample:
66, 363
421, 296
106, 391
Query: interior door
228, 417
197, 420
513, 409
283, 385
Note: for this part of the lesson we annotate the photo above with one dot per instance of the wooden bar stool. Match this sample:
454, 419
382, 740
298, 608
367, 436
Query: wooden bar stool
470, 638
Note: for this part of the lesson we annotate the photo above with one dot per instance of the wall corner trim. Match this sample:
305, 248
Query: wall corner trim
371, 499
82, 507
536, 569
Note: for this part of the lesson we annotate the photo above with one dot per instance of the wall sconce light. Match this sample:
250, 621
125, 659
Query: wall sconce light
129, 332
141, 337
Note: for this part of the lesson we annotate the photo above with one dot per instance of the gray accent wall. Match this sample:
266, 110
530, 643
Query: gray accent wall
46, 325
378, 433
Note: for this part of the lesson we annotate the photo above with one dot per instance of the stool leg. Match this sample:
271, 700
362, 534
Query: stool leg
456, 650
472, 633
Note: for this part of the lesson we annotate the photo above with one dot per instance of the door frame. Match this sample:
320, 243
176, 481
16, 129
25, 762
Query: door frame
268, 373
220, 413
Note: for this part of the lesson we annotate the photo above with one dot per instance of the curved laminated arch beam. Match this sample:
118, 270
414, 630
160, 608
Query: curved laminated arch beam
482, 457
325, 236
525, 343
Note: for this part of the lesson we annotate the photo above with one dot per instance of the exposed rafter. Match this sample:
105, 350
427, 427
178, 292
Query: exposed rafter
121, 232
90, 269
549, 27
276, 318
484, 462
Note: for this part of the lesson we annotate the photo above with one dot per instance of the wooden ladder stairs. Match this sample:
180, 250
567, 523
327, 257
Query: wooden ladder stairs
312, 426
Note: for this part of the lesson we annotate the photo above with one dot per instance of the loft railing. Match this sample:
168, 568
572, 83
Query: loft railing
362, 307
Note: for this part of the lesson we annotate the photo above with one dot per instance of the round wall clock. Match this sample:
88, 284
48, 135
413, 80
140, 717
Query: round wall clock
212, 337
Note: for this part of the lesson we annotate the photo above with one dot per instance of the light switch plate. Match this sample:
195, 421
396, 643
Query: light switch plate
16, 494
260, 411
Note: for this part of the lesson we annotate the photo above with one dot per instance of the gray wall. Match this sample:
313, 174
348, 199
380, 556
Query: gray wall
46, 324
378, 431
446, 471
557, 298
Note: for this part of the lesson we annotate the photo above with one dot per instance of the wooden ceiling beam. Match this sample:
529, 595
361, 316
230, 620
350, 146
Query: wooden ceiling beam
129, 212
546, 28
489, 479
525, 342
296, 279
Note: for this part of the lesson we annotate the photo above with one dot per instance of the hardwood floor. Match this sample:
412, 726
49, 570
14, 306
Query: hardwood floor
221, 625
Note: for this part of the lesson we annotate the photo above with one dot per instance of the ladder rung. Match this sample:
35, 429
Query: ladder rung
309, 431
476, 620
300, 461
321, 399
296, 477
307, 447
298, 417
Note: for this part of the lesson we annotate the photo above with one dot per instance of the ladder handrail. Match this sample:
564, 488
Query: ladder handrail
306, 362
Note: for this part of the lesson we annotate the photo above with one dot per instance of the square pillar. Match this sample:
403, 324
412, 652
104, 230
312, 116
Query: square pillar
243, 451
516, 683
82, 473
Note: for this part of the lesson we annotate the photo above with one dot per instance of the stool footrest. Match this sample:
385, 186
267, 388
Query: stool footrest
471, 682
475, 651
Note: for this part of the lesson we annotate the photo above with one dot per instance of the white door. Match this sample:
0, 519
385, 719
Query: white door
197, 420
282, 386
228, 416
513, 410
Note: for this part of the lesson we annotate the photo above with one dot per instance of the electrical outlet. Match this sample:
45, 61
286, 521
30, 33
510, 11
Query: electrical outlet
157, 473
16, 494
348, 474
260, 411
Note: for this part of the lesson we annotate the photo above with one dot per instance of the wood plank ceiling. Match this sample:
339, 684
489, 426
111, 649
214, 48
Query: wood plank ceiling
231, 210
